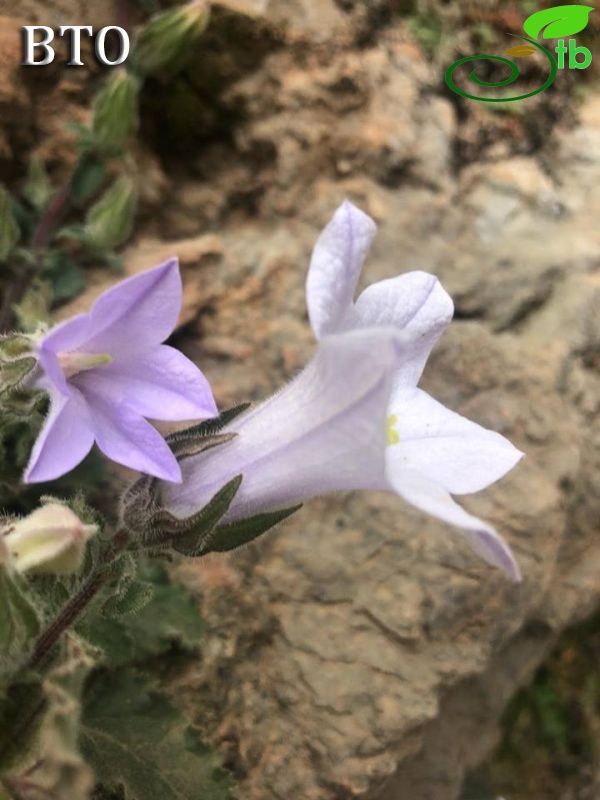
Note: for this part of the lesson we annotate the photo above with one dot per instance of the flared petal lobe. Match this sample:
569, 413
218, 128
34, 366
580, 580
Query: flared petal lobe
432, 498
162, 384
125, 437
445, 447
137, 314
416, 303
65, 439
133, 316
324, 432
335, 266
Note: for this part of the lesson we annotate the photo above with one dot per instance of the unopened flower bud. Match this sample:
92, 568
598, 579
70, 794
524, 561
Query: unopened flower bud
164, 43
116, 111
110, 220
50, 540
38, 188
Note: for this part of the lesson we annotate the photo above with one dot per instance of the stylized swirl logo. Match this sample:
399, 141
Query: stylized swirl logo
514, 74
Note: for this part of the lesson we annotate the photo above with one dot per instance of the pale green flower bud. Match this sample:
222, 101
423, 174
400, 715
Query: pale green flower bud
110, 221
164, 42
51, 540
9, 229
115, 115
38, 188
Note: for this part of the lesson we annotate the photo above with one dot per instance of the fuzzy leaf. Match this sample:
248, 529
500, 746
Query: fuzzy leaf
135, 596
19, 618
236, 534
22, 701
557, 22
58, 769
170, 620
136, 739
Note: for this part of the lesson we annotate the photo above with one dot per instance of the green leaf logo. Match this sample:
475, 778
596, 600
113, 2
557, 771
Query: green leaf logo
558, 21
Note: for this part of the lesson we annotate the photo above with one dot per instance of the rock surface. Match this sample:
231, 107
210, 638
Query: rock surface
362, 651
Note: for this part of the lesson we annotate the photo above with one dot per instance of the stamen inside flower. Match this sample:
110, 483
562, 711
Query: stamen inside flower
393, 437
74, 362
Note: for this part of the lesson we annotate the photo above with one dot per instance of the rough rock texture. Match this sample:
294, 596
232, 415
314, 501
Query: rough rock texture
362, 651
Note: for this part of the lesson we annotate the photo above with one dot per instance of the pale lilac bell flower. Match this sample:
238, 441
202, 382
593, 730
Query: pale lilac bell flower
107, 371
354, 418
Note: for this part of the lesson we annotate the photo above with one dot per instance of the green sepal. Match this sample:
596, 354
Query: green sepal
180, 439
196, 445
237, 534
13, 373
9, 228
141, 509
199, 527
13, 345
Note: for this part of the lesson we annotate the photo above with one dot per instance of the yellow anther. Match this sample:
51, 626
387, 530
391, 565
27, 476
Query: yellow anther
393, 437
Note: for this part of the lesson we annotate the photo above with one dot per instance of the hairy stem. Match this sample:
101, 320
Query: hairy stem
51, 218
78, 603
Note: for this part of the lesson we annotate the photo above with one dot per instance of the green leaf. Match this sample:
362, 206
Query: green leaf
9, 229
131, 600
22, 706
19, 618
58, 769
236, 534
88, 178
558, 22
136, 739
65, 276
170, 620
